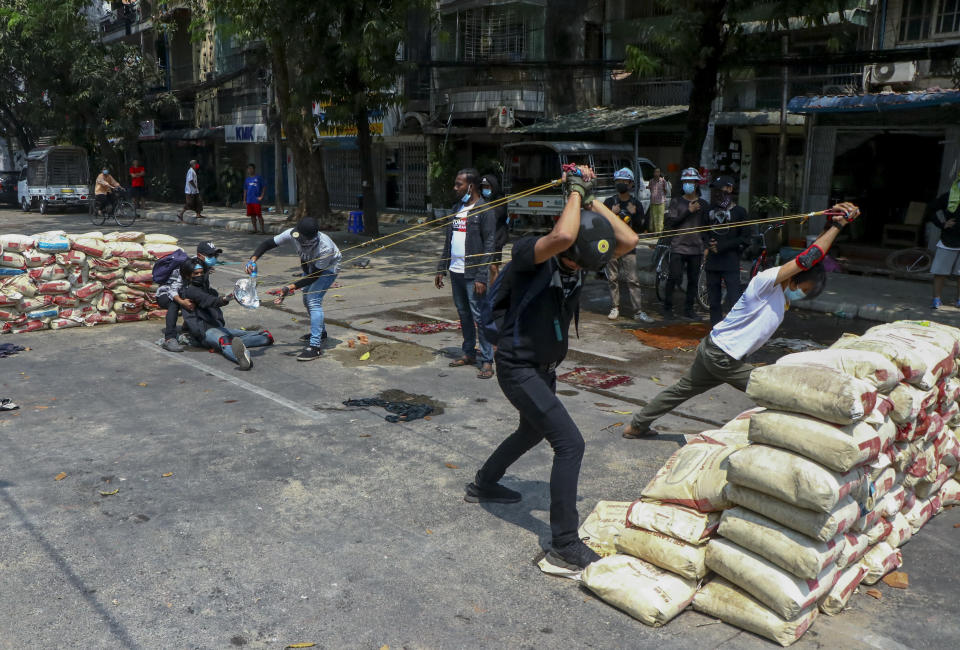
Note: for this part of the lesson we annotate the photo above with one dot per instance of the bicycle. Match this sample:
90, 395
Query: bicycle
121, 210
910, 260
661, 256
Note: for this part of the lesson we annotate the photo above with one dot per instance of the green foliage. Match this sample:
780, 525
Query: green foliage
162, 188
58, 79
767, 204
230, 179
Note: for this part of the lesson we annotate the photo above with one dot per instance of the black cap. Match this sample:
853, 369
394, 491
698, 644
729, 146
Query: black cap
207, 248
307, 228
723, 181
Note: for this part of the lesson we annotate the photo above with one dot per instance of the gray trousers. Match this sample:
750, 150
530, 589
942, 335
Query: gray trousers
711, 367
625, 267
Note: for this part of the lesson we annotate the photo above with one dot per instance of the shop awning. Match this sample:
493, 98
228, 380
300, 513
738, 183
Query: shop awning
873, 102
602, 118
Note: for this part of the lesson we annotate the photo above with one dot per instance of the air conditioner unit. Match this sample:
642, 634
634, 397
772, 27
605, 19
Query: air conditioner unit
501, 116
891, 73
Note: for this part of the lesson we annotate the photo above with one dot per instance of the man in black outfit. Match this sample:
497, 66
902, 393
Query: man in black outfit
686, 249
540, 295
723, 246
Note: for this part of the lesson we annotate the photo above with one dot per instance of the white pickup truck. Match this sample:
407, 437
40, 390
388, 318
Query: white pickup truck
531, 164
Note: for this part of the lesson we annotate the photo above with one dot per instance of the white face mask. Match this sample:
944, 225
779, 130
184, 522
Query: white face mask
688, 188
793, 295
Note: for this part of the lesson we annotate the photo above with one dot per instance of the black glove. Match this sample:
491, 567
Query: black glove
225, 300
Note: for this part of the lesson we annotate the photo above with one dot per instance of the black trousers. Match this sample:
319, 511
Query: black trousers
532, 393
715, 280
680, 264
173, 313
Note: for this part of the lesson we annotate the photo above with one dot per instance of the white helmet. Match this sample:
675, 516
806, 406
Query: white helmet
625, 174
690, 174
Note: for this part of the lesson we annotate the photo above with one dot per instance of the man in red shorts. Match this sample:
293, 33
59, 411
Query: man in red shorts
253, 191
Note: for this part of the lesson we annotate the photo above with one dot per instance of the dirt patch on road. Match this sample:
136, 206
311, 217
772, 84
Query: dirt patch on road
672, 337
383, 354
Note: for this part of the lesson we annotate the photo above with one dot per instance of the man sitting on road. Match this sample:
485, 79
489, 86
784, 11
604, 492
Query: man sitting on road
205, 322
169, 298
748, 326
104, 186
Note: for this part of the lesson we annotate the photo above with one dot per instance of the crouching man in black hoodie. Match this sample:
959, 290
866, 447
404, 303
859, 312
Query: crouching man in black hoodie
205, 323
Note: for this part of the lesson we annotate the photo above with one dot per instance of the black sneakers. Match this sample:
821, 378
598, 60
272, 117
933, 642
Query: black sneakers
574, 556
240, 351
309, 353
482, 493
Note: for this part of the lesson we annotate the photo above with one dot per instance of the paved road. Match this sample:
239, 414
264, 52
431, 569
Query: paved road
289, 518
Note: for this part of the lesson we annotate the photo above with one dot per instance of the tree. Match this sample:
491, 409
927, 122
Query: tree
340, 52
703, 39
57, 78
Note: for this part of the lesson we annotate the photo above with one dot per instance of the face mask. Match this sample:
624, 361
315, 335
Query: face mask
622, 188
466, 198
793, 295
688, 188
486, 193
196, 167
210, 261
106, 172
724, 201
196, 280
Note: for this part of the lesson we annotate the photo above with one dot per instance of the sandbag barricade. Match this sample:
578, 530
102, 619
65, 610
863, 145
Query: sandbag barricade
53, 280
851, 452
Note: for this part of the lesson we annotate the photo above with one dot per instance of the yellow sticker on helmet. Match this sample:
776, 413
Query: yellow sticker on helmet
603, 246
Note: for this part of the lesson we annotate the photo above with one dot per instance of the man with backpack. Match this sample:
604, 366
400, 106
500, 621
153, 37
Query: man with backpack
166, 273
527, 314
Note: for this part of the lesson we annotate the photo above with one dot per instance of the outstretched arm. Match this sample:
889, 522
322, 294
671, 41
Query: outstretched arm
824, 242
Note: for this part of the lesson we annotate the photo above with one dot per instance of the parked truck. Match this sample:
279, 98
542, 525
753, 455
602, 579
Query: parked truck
531, 164
55, 177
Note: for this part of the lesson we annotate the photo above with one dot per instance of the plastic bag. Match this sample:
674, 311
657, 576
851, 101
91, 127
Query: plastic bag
245, 291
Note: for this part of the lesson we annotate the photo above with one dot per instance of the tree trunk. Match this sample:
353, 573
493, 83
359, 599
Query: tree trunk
298, 124
704, 82
371, 220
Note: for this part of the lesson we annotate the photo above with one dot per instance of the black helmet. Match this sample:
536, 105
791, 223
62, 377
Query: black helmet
595, 242
306, 229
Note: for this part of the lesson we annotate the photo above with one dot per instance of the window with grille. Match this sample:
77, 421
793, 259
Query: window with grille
948, 18
915, 20
500, 33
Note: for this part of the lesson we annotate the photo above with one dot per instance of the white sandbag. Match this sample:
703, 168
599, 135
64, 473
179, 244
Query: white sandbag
128, 236
21, 284
730, 437
836, 447
159, 238
721, 599
834, 602
800, 555
780, 590
950, 493
52, 242
16, 243
930, 486
742, 421
901, 531
909, 499
126, 249
855, 547
158, 250
921, 512
947, 329
670, 553
948, 447
892, 502
93, 247
822, 526
817, 391
879, 561
879, 531
930, 335
601, 526
924, 461
922, 364
693, 476
862, 364
792, 478
884, 483
649, 594
12, 260
686, 524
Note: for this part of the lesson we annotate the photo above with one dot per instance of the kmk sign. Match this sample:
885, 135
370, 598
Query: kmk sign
245, 133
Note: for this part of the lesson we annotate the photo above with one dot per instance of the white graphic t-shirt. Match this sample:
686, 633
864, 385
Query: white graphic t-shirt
458, 241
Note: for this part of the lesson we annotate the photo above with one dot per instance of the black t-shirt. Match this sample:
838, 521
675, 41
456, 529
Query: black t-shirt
544, 324
637, 221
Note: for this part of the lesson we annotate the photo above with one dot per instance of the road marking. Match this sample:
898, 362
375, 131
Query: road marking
262, 392
575, 349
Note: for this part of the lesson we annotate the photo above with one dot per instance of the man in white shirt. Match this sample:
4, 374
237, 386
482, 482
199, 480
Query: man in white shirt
748, 326
191, 192
467, 254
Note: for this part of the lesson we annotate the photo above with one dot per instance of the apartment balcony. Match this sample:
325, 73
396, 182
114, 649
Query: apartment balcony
650, 92
765, 93
126, 21
473, 102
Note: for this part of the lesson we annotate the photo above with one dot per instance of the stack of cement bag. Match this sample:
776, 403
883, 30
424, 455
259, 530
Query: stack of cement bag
54, 281
849, 454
